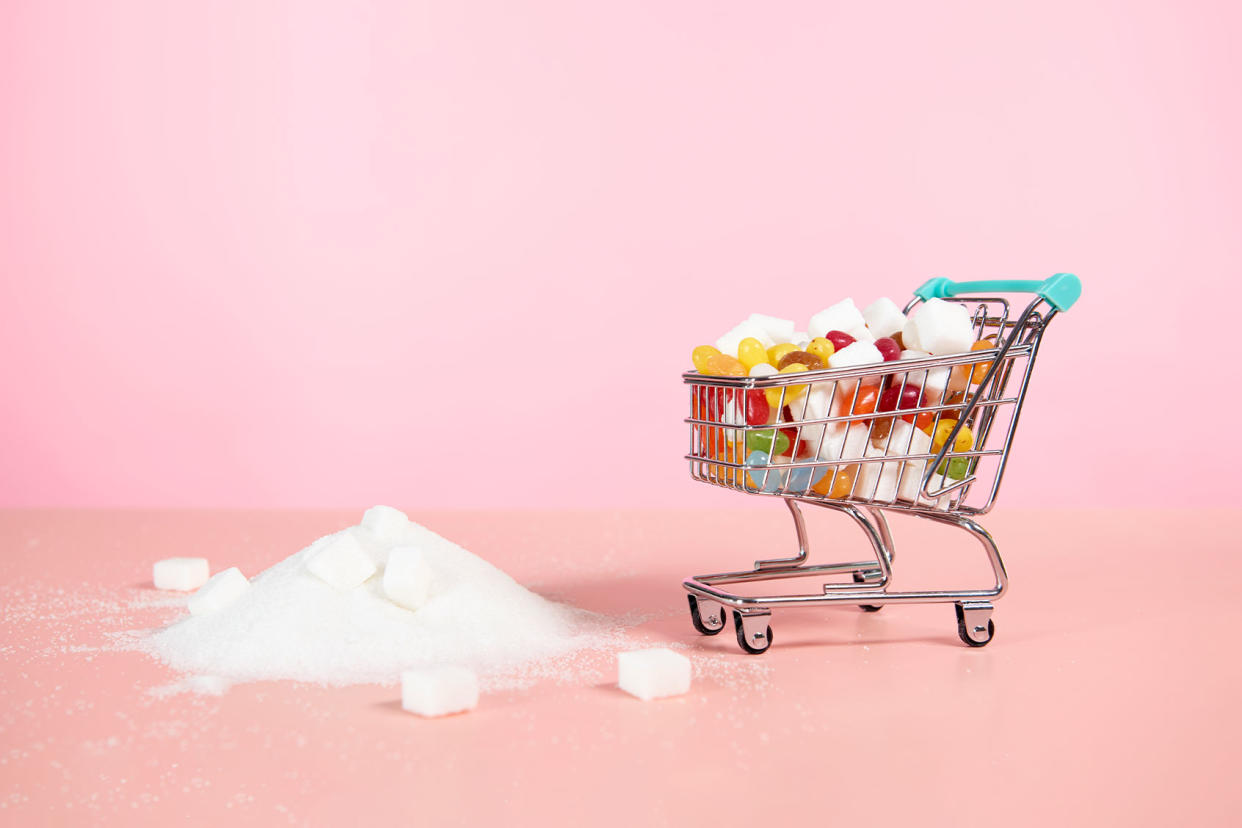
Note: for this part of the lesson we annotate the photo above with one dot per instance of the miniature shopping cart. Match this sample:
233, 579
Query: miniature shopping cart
940, 456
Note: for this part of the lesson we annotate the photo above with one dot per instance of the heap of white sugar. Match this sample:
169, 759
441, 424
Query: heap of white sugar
291, 624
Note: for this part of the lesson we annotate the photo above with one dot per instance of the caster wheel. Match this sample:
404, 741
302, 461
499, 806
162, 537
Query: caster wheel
859, 579
710, 625
963, 632
753, 644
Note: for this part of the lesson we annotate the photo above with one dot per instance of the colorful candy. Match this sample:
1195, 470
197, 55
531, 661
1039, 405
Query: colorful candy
723, 365
791, 392
777, 351
981, 368
768, 440
839, 339
812, 362
965, 440
821, 348
750, 352
888, 348
955, 468
838, 483
764, 479
802, 478
757, 408
700, 355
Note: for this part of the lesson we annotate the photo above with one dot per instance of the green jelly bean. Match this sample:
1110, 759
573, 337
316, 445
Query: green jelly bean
959, 467
761, 440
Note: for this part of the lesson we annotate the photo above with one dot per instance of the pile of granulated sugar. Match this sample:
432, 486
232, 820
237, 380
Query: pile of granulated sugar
290, 624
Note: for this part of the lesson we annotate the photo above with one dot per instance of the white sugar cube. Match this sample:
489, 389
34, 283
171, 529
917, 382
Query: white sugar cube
817, 405
341, 561
221, 589
843, 316
654, 673
183, 574
856, 353
848, 442
942, 328
884, 317
778, 330
408, 578
910, 335
801, 339
386, 524
763, 369
728, 343
439, 691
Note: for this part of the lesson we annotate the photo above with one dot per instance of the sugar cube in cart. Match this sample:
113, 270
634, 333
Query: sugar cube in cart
868, 412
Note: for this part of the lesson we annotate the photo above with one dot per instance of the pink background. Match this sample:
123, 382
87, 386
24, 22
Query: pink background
309, 254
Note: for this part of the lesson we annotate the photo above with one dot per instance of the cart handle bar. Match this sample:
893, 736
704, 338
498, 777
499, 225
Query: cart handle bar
1061, 290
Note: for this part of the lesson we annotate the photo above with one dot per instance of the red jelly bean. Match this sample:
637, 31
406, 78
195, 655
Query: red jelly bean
888, 348
905, 396
839, 339
757, 408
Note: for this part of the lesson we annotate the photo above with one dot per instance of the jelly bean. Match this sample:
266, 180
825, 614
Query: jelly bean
955, 468
805, 477
965, 438
723, 365
791, 392
896, 337
880, 429
839, 339
864, 401
888, 349
838, 483
751, 352
763, 478
763, 439
700, 355
900, 397
757, 409
959, 378
812, 362
981, 368
777, 351
822, 348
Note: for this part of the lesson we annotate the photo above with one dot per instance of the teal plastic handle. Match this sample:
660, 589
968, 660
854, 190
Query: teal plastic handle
1061, 291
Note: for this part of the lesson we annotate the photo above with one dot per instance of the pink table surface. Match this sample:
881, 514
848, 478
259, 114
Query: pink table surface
1108, 697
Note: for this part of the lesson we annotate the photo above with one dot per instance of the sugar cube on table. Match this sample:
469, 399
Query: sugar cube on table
778, 330
341, 561
408, 578
883, 317
386, 523
221, 589
183, 574
654, 673
942, 328
843, 316
439, 691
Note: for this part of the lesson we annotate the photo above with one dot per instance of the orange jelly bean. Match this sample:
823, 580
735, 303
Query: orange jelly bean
980, 369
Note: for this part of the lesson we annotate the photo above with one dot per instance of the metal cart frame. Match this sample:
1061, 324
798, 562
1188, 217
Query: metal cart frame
923, 485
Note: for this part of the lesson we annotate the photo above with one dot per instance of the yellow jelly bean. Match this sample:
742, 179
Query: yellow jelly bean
700, 355
777, 351
751, 352
723, 365
822, 348
792, 392
965, 439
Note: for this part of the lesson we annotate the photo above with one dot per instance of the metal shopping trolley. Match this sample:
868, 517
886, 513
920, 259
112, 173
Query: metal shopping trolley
935, 449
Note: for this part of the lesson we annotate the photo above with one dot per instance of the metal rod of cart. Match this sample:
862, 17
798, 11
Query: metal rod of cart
941, 458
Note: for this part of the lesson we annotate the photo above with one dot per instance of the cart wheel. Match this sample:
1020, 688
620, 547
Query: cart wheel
758, 644
964, 633
710, 625
859, 579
